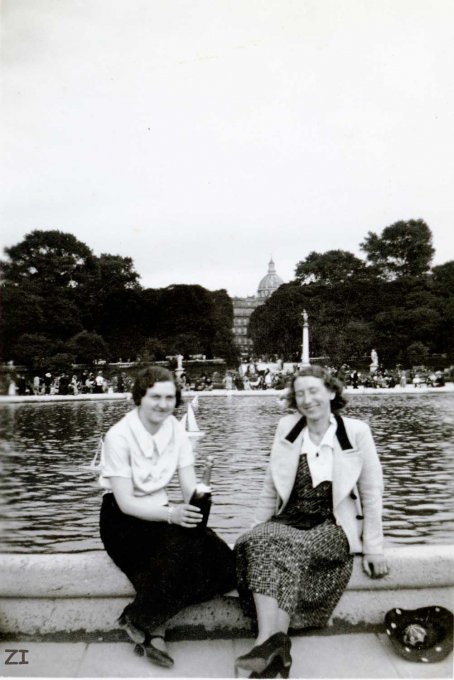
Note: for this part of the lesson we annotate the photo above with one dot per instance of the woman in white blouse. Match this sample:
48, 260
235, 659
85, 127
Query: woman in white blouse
171, 561
321, 502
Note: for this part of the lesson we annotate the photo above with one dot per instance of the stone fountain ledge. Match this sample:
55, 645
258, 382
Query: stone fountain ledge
121, 396
84, 593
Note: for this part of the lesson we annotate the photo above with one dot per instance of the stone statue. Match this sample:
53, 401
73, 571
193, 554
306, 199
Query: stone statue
374, 361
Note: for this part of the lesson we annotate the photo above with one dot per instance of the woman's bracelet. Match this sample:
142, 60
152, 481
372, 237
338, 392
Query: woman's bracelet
169, 514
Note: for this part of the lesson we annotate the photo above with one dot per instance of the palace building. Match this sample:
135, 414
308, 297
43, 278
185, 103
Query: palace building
243, 307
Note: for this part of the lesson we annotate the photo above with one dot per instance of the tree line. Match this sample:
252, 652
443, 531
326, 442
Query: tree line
61, 304
393, 301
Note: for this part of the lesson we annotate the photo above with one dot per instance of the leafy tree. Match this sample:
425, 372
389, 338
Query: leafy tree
63, 361
48, 260
152, 350
184, 343
403, 249
111, 276
442, 286
88, 347
150, 312
186, 310
275, 327
119, 323
116, 273
41, 277
223, 342
330, 268
417, 353
22, 312
34, 349
443, 278
347, 343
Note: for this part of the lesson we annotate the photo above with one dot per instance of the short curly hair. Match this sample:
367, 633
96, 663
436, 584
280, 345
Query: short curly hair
332, 383
147, 377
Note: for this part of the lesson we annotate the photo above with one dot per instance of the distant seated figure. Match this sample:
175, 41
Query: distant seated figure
47, 382
228, 381
21, 385
36, 384
120, 383
439, 379
417, 380
63, 384
99, 383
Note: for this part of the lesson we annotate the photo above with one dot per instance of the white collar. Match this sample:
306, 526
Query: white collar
327, 439
149, 443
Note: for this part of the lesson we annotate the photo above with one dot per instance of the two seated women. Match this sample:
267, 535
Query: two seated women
321, 503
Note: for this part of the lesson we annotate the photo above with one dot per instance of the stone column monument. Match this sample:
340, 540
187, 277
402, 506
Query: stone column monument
179, 369
305, 345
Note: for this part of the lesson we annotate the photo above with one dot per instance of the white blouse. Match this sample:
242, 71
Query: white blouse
149, 460
320, 456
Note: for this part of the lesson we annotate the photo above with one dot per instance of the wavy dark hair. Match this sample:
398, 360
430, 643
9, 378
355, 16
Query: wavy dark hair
332, 383
147, 377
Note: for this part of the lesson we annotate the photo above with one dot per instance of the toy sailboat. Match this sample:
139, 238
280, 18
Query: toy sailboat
190, 423
95, 465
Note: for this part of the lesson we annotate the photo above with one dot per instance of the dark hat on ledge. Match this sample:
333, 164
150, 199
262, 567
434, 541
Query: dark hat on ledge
423, 634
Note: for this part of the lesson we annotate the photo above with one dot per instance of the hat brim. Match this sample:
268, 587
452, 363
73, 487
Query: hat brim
436, 620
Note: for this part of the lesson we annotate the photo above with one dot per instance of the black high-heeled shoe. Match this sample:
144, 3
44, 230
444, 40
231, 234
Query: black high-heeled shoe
261, 656
275, 670
156, 656
135, 634
144, 646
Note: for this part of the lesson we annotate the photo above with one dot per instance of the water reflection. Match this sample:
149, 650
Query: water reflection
49, 504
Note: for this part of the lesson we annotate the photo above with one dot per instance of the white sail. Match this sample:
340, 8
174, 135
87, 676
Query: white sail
189, 423
98, 458
192, 422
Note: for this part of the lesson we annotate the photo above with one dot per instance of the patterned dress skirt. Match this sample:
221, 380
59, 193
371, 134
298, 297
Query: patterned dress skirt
300, 558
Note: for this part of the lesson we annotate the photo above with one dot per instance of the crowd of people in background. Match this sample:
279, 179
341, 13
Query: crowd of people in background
250, 375
63, 383
383, 377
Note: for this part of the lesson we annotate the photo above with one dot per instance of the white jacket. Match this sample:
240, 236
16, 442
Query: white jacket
357, 480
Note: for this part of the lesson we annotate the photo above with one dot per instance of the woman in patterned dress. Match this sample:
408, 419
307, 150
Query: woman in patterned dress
170, 560
321, 502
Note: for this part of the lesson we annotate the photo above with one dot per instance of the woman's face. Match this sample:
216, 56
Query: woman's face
158, 402
313, 398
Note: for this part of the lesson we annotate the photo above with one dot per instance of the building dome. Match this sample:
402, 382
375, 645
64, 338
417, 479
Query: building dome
270, 282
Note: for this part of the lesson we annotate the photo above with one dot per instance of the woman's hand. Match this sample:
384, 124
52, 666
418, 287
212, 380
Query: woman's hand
185, 515
375, 566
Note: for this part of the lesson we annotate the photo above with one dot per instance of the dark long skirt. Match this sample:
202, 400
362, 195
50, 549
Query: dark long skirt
170, 567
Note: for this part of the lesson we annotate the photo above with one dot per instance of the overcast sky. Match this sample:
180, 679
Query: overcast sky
201, 136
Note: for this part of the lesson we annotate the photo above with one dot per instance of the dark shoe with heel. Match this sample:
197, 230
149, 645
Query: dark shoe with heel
156, 656
133, 632
261, 656
274, 670
144, 646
